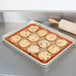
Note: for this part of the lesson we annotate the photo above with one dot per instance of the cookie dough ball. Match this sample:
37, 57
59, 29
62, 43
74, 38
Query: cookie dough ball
44, 43
54, 49
24, 33
33, 37
24, 43
44, 56
15, 38
33, 28
61, 42
51, 37
42, 32
33, 49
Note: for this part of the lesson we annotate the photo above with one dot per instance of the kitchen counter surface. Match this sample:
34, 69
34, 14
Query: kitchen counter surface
12, 63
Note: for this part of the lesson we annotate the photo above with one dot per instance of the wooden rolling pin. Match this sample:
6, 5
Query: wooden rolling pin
65, 25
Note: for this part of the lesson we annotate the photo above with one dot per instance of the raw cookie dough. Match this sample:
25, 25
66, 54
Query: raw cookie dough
15, 38
61, 42
33, 37
53, 49
24, 33
42, 32
33, 28
33, 49
44, 43
24, 43
44, 56
51, 37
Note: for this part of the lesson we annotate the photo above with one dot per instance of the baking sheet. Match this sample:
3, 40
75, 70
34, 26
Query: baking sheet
67, 37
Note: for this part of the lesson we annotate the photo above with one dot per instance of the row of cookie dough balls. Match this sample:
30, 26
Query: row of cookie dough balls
35, 37
45, 55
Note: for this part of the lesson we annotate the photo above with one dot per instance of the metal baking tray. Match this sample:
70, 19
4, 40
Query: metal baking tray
44, 65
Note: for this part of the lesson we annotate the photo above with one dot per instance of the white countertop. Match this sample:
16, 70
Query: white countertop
45, 5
